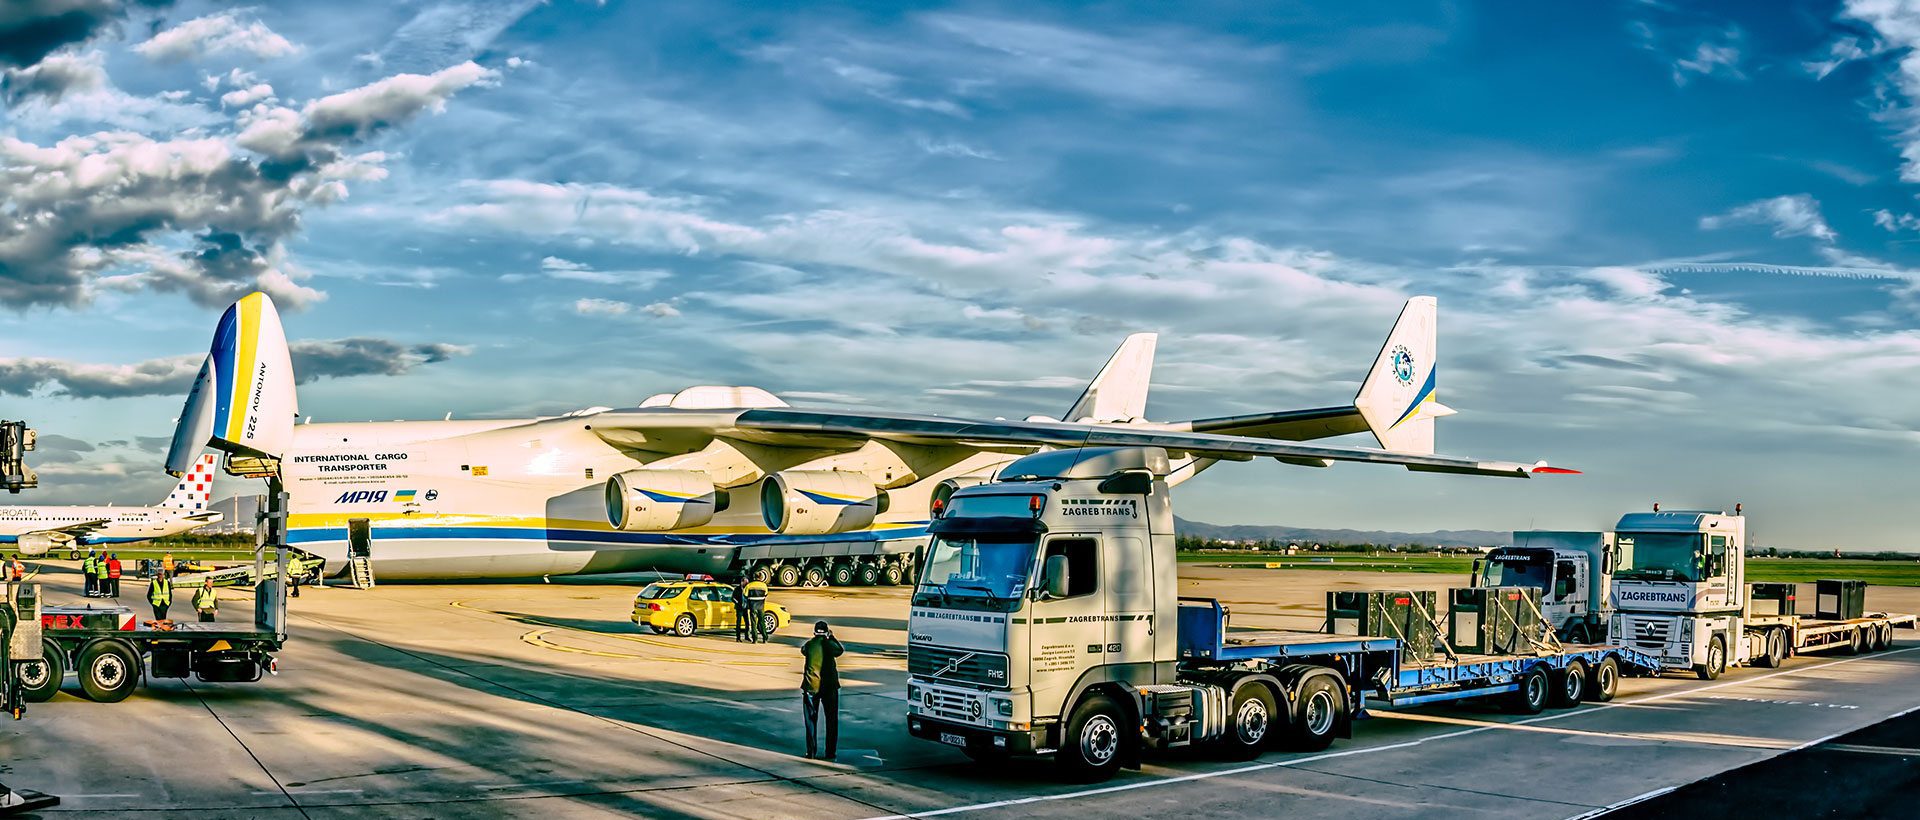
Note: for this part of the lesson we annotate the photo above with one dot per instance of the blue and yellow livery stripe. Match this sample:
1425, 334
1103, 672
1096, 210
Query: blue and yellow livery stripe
1425, 395
236, 353
831, 499
670, 498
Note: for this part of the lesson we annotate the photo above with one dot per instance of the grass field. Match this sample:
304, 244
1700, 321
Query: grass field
1797, 570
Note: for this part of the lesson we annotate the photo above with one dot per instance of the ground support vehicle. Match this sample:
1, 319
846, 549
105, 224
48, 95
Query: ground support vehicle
1081, 662
686, 607
1572, 570
111, 649
1680, 594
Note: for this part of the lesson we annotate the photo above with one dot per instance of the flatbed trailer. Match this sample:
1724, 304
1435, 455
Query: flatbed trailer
112, 649
1871, 632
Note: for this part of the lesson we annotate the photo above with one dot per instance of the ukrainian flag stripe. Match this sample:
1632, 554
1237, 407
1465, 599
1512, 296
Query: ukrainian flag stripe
1426, 395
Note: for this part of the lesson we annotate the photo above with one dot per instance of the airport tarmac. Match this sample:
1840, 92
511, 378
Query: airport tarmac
544, 700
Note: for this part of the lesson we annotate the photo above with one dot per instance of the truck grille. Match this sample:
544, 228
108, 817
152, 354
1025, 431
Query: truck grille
954, 706
1647, 633
957, 665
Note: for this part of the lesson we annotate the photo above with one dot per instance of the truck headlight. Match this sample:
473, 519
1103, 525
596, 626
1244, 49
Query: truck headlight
1003, 706
913, 692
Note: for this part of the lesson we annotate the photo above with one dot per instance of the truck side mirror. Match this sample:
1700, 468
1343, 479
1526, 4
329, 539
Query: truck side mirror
1053, 577
1473, 580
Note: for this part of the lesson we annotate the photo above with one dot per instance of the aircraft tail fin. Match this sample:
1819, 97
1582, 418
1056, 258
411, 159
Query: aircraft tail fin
243, 400
1119, 392
1397, 399
195, 490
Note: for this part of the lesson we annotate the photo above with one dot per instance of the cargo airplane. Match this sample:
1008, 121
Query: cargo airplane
39, 530
720, 480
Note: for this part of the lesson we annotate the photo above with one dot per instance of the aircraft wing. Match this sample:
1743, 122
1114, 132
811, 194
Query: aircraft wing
842, 429
76, 529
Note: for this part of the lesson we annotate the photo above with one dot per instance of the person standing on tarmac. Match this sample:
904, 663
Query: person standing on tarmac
86, 572
820, 687
740, 633
17, 570
206, 600
160, 594
100, 576
113, 575
756, 593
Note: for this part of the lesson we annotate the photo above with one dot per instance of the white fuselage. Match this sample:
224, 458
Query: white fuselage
123, 525
519, 498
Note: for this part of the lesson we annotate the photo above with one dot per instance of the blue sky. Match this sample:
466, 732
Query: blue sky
1673, 243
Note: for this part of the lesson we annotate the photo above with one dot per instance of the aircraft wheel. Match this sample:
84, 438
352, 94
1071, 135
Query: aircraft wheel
816, 575
893, 574
786, 575
842, 574
762, 572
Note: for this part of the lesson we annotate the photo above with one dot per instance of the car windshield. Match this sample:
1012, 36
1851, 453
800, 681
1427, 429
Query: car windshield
978, 566
1516, 571
1660, 556
660, 591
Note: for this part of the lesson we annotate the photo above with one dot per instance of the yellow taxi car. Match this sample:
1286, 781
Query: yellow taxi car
686, 607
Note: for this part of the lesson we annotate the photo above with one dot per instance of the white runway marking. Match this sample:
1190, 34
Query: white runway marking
1165, 781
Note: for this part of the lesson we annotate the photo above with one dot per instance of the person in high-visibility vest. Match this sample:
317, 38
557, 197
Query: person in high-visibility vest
166, 563
86, 572
160, 594
17, 569
101, 586
756, 593
206, 600
113, 575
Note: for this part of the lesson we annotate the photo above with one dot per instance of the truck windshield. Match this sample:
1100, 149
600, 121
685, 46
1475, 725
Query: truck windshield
977, 566
1660, 556
1516, 571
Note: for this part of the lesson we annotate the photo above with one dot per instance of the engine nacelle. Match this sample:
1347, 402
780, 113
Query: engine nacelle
37, 544
819, 502
943, 491
662, 500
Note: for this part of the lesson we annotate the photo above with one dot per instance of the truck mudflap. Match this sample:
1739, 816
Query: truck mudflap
978, 740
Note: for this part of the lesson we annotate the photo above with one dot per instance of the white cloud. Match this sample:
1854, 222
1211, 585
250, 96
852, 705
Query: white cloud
1794, 215
1895, 223
1897, 24
214, 35
1709, 59
316, 130
1839, 52
601, 307
243, 97
554, 267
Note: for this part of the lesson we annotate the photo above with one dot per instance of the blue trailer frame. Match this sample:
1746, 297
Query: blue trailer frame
1380, 664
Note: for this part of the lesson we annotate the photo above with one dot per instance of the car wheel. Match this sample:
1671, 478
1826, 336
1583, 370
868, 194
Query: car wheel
1606, 680
769, 624
786, 575
109, 672
869, 573
1570, 685
1090, 751
842, 574
685, 625
1533, 693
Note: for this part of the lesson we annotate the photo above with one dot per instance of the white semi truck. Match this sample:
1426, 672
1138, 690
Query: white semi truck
1680, 593
1047, 619
1572, 570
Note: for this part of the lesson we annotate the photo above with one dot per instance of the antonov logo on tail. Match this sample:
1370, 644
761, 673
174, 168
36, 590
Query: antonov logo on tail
1403, 364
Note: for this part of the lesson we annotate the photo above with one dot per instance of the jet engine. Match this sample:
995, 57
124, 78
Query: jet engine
662, 500
943, 491
36, 544
819, 502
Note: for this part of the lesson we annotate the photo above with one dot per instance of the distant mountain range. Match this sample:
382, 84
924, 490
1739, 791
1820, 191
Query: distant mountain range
1257, 532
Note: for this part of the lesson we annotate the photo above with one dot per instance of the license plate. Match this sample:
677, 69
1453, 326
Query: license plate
953, 739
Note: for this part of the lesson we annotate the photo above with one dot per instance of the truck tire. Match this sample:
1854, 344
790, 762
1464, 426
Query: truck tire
1250, 721
685, 625
40, 680
1318, 710
1534, 692
842, 575
1090, 746
109, 671
1776, 651
786, 575
1606, 680
1716, 659
1856, 642
1569, 684
1882, 637
869, 573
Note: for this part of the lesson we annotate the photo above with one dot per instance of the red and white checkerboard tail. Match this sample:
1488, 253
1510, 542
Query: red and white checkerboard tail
195, 490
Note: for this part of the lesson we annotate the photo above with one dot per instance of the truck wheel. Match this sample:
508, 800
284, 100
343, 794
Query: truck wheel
1533, 693
1090, 748
685, 625
40, 680
1579, 635
1857, 642
1317, 715
1776, 645
786, 575
842, 574
1716, 660
869, 573
762, 572
1251, 721
109, 672
1569, 685
893, 574
1886, 636
1606, 680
